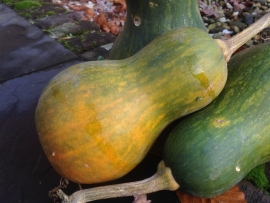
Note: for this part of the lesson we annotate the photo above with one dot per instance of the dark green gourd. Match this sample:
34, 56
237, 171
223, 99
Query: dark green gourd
148, 19
213, 149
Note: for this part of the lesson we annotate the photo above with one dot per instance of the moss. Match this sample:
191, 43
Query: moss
66, 45
74, 49
26, 4
83, 38
27, 15
93, 45
8, 2
257, 177
50, 13
46, 31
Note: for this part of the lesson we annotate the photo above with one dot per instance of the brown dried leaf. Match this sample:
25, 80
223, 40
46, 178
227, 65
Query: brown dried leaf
102, 22
77, 7
90, 13
114, 29
234, 195
122, 2
84, 18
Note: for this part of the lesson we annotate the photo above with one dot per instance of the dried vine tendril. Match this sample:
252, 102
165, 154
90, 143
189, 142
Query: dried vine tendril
53, 193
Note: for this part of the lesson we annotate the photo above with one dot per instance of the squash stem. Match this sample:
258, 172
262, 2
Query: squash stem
162, 180
231, 45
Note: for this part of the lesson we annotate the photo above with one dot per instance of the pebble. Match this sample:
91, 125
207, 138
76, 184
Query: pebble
238, 24
217, 29
233, 20
248, 19
229, 6
222, 19
236, 29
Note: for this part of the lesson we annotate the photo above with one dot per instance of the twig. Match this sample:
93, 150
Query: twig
37, 164
53, 193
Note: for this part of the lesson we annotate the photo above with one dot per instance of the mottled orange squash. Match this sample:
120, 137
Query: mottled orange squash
97, 120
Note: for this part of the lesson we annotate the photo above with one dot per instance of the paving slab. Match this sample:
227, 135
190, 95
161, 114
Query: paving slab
25, 173
24, 48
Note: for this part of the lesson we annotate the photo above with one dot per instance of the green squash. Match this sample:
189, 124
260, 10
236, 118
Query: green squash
97, 120
148, 19
213, 149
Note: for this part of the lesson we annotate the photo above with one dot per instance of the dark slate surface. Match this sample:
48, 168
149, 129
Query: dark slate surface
24, 48
25, 173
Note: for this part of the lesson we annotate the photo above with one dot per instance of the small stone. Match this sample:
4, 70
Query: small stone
211, 26
218, 23
236, 29
257, 5
238, 24
248, 19
205, 18
228, 32
217, 36
221, 3
226, 26
220, 11
222, 19
217, 29
257, 37
236, 13
249, 43
229, 6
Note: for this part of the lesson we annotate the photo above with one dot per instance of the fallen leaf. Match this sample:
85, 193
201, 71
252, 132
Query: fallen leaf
209, 11
102, 22
90, 13
233, 195
114, 29
238, 7
121, 2
77, 7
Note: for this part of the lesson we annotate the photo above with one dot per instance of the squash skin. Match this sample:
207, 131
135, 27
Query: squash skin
97, 120
213, 149
154, 18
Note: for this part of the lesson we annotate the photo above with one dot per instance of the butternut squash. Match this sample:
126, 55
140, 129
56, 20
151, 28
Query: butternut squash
97, 120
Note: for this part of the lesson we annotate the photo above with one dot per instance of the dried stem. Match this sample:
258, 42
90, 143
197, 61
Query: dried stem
231, 45
162, 180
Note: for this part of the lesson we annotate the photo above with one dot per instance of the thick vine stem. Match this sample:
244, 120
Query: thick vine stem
229, 46
162, 180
